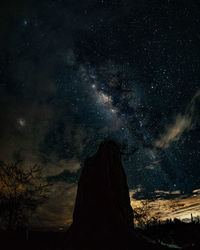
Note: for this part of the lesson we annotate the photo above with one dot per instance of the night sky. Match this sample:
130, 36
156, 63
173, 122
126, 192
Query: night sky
75, 72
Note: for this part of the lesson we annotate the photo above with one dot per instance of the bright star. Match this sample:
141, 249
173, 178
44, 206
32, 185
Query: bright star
113, 111
21, 122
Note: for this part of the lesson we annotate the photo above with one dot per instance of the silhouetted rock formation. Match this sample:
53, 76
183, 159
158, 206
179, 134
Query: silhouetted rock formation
102, 209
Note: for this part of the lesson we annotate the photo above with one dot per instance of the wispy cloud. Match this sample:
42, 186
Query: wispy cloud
178, 206
182, 122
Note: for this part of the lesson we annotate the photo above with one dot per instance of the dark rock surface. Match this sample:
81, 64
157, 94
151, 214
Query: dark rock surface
103, 217
102, 209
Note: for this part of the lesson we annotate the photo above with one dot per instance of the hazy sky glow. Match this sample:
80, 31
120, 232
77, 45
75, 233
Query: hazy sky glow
74, 74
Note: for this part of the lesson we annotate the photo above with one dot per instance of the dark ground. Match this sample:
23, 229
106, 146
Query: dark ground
174, 235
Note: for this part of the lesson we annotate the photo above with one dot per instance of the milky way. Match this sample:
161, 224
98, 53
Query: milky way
72, 75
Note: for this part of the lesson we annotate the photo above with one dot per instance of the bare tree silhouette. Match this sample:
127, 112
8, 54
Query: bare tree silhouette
22, 190
142, 215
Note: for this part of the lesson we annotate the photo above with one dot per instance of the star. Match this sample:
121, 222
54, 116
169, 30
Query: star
21, 122
25, 22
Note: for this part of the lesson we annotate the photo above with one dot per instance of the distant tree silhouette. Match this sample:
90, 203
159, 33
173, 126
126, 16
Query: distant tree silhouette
142, 215
22, 189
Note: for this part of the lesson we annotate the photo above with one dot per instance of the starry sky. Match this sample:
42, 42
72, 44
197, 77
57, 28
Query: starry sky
75, 72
